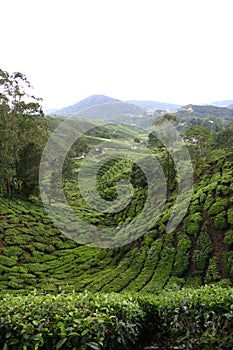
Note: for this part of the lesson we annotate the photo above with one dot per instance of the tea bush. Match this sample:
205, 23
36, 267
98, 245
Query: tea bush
188, 319
212, 273
228, 240
230, 216
218, 206
182, 256
197, 319
220, 221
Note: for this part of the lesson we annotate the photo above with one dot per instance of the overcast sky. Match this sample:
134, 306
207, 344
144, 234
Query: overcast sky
176, 51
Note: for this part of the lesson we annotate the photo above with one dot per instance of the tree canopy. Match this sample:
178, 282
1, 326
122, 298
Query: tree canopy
23, 132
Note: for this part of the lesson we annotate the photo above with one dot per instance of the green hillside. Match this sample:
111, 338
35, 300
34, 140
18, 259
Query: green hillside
200, 250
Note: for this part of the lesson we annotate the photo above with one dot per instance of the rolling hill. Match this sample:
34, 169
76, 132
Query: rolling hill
34, 254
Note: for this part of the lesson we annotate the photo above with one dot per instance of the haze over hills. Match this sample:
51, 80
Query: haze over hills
223, 103
86, 107
154, 105
112, 110
129, 106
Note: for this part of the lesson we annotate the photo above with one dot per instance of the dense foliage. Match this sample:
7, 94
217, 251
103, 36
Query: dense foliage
191, 319
23, 132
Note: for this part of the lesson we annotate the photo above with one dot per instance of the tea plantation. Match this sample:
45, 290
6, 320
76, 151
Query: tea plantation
200, 251
162, 290
43, 273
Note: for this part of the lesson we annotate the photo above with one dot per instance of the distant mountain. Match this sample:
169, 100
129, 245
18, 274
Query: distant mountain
141, 112
137, 107
112, 110
145, 105
88, 102
223, 103
154, 105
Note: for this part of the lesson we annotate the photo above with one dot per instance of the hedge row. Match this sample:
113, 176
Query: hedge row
187, 319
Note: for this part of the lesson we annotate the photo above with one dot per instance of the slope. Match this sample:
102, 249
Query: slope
34, 254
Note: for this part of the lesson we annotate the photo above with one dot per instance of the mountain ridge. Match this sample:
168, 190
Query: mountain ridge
88, 102
139, 112
97, 100
154, 105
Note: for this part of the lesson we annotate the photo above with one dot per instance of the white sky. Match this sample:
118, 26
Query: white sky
176, 51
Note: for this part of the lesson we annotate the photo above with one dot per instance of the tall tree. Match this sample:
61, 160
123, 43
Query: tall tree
22, 129
199, 142
224, 138
168, 136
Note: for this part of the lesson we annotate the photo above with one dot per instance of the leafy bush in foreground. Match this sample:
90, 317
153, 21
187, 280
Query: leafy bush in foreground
187, 319
69, 321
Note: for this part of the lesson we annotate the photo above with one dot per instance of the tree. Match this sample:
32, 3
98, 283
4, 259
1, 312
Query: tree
23, 130
224, 138
199, 141
168, 136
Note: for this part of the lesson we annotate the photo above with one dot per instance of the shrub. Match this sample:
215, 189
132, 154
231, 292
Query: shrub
72, 321
201, 319
218, 207
14, 237
220, 221
196, 217
200, 259
174, 283
13, 251
204, 242
192, 224
212, 273
228, 240
202, 197
192, 319
230, 216
182, 257
8, 261
222, 190
228, 262
209, 200
191, 228
194, 207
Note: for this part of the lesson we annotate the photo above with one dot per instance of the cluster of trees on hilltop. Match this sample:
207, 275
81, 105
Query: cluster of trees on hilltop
206, 111
204, 143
